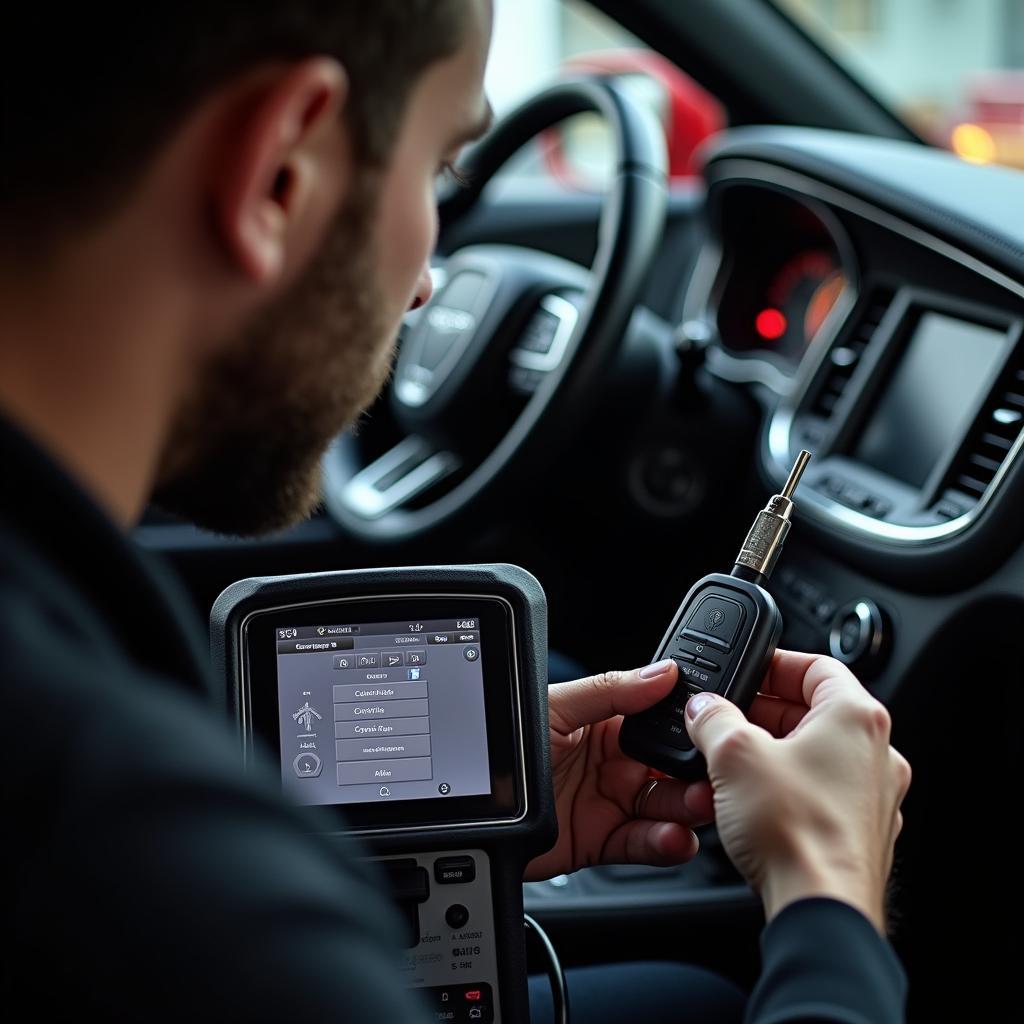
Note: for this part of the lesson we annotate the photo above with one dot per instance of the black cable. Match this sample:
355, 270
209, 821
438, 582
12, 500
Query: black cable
556, 976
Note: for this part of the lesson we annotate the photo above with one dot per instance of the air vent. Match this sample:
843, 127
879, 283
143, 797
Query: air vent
844, 359
994, 434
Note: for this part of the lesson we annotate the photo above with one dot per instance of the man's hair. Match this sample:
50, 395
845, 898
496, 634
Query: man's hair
91, 90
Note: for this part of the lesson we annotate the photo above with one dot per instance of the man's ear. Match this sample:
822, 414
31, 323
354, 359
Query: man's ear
282, 167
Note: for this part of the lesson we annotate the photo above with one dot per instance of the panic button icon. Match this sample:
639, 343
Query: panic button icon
713, 618
718, 618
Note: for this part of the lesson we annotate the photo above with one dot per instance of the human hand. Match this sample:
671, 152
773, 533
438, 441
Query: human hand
598, 788
807, 793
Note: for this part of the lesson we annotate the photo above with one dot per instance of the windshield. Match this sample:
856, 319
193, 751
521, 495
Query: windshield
953, 69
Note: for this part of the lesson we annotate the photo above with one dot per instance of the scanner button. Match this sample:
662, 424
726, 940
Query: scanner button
718, 618
457, 916
454, 870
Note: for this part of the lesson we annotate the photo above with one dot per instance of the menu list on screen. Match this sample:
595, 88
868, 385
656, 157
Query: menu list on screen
382, 711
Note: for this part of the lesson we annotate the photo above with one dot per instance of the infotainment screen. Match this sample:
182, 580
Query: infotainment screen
382, 710
398, 712
931, 397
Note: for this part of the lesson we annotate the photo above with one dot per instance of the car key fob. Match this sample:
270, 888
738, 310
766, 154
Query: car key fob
723, 638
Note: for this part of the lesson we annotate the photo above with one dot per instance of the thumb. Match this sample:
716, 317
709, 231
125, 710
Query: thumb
596, 698
710, 718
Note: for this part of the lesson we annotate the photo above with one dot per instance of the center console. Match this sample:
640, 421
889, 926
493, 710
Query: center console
893, 353
913, 407
410, 707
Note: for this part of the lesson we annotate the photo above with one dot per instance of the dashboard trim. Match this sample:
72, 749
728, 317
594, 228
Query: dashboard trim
816, 505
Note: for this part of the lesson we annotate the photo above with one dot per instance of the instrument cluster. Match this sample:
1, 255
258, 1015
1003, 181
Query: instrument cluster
783, 267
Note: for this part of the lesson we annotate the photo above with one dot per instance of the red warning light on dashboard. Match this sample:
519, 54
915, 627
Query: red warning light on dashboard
770, 324
473, 995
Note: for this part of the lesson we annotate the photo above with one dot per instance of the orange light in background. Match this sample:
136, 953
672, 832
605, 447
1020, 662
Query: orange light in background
973, 143
770, 324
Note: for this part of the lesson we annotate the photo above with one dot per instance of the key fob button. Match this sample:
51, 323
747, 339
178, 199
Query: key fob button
675, 730
699, 677
702, 643
718, 618
677, 735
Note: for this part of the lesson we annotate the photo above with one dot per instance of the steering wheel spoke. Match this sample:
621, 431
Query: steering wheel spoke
413, 466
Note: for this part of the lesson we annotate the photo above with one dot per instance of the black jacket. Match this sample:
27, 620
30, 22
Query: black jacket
147, 878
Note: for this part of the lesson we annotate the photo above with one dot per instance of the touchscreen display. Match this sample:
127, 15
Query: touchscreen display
932, 396
382, 712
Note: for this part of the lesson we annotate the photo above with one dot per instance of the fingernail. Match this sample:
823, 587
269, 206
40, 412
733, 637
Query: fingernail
697, 703
659, 668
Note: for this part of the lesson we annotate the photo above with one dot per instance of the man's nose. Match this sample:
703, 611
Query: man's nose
424, 288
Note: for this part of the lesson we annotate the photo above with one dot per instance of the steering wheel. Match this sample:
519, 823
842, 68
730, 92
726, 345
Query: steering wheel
503, 359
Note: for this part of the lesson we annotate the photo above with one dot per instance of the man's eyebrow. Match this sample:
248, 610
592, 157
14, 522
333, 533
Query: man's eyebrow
478, 128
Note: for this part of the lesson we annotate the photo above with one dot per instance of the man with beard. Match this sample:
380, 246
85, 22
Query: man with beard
214, 216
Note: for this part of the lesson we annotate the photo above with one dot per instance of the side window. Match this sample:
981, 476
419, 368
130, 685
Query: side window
536, 42
952, 69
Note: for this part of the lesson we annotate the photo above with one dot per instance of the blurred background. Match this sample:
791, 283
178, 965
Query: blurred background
952, 69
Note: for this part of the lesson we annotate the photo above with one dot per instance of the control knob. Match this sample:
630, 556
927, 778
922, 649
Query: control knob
859, 636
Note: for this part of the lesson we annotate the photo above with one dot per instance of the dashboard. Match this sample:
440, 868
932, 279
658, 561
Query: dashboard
893, 354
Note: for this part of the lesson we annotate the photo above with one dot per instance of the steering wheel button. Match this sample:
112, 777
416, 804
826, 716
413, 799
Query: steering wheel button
445, 326
523, 380
540, 332
462, 291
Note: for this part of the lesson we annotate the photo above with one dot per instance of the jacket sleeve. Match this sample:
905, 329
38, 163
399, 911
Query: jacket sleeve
824, 962
179, 888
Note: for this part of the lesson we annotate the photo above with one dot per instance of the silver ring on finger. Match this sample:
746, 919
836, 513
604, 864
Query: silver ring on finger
640, 804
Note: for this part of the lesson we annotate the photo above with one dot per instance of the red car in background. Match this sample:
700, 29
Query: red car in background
688, 113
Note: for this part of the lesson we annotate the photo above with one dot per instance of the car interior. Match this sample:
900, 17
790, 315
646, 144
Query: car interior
605, 388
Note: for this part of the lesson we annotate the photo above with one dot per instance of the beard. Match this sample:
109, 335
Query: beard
244, 454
